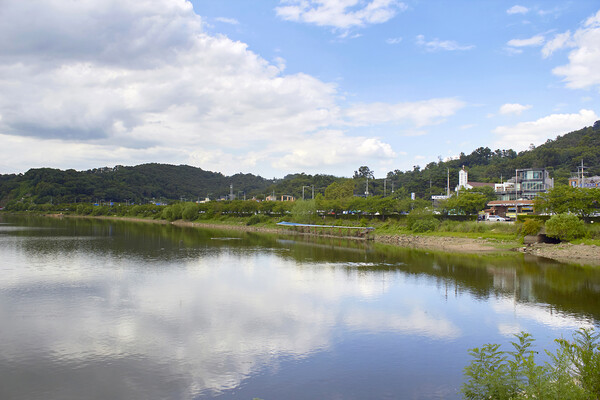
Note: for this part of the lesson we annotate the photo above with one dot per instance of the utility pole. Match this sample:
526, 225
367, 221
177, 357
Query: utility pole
384, 187
582, 176
516, 181
430, 192
303, 191
313, 192
448, 187
367, 188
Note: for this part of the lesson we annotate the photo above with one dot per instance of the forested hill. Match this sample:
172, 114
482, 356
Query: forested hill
145, 182
560, 156
120, 184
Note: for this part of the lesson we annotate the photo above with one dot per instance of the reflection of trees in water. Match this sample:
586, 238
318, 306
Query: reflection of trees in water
566, 288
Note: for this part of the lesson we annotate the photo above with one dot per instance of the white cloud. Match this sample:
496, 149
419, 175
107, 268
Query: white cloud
105, 82
437, 45
537, 40
512, 51
331, 148
394, 40
517, 10
560, 41
421, 113
513, 108
582, 70
339, 14
521, 135
231, 21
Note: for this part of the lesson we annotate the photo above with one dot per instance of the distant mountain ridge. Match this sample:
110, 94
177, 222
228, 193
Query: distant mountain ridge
137, 184
562, 156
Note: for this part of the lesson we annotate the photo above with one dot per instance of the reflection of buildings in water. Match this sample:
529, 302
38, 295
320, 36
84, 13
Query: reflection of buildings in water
508, 280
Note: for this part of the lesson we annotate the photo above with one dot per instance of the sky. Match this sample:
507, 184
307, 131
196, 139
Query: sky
274, 87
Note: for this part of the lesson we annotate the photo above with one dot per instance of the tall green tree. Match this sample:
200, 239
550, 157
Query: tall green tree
341, 189
467, 202
566, 199
364, 172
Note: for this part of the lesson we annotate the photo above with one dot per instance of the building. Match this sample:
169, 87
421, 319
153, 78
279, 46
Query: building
510, 208
591, 182
285, 197
526, 184
463, 181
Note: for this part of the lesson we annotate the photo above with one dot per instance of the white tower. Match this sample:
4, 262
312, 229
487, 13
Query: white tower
463, 178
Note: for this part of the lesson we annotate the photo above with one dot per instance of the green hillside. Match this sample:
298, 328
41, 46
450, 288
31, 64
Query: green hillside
560, 156
146, 182
137, 184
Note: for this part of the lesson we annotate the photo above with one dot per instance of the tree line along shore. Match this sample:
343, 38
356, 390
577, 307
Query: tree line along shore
421, 227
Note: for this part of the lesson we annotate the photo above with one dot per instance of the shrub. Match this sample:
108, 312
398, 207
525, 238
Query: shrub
172, 213
256, 219
190, 211
572, 373
565, 227
425, 225
422, 220
531, 227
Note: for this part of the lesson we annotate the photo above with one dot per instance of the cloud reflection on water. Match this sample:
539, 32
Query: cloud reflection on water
211, 321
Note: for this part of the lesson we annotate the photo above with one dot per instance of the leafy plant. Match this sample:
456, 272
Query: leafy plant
565, 227
421, 220
573, 373
531, 227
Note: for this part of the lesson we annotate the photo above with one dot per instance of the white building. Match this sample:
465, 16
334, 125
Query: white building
463, 180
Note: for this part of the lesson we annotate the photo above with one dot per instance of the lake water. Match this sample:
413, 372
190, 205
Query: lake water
95, 309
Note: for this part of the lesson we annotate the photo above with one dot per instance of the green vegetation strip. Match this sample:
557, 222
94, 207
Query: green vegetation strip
573, 371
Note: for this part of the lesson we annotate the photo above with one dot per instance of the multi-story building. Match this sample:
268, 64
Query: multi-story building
526, 184
586, 182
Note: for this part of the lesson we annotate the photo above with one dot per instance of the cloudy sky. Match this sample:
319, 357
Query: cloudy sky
274, 87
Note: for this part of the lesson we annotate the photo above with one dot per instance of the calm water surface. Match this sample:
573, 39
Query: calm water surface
113, 310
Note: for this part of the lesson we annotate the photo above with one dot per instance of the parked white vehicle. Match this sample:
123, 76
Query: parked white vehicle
496, 218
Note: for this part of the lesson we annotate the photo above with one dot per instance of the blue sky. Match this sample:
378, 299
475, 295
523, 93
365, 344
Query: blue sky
275, 87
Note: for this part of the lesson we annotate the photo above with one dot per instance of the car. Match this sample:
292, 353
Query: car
496, 218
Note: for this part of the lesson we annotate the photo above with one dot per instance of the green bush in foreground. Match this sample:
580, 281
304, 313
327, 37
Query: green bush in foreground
565, 227
573, 373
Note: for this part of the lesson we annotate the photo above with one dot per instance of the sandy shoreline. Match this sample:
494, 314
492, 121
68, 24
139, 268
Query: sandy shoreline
564, 252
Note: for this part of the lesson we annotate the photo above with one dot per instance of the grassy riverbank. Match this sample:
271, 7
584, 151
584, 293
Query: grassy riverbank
419, 229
